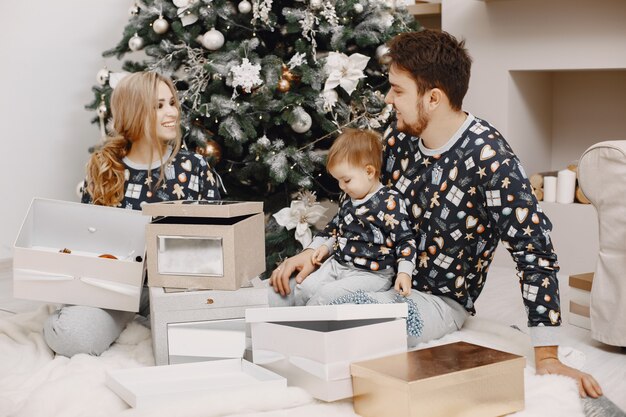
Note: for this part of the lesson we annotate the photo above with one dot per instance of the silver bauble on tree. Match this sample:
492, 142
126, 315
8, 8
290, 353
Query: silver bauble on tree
382, 54
244, 7
103, 76
303, 122
213, 40
160, 26
135, 43
358, 7
316, 4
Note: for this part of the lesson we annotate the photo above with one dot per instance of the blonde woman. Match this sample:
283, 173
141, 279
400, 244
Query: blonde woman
142, 162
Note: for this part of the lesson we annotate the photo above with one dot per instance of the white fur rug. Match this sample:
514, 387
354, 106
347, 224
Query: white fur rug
35, 383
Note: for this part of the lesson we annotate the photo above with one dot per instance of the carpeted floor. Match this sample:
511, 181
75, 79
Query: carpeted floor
35, 383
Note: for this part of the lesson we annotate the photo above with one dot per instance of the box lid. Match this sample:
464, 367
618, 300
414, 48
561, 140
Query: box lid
154, 385
581, 281
84, 229
436, 361
326, 313
203, 208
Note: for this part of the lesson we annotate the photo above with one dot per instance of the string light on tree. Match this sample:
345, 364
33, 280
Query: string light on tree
160, 26
135, 43
213, 40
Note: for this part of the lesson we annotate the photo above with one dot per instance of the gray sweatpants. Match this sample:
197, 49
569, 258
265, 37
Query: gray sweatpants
80, 329
333, 280
440, 315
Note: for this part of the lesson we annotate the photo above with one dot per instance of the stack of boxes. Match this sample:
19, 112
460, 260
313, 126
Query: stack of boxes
580, 300
199, 256
313, 346
202, 257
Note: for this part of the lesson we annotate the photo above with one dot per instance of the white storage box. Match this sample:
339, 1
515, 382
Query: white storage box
189, 326
313, 346
42, 271
160, 385
213, 245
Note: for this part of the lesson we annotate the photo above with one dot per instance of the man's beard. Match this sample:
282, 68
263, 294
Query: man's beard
416, 129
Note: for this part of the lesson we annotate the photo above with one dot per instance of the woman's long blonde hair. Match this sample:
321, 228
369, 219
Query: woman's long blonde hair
133, 107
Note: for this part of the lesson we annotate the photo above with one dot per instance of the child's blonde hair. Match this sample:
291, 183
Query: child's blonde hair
358, 148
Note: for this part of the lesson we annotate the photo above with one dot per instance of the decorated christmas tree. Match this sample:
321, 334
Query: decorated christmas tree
265, 87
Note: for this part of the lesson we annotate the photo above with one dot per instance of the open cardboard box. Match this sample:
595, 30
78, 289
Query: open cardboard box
215, 245
42, 271
314, 346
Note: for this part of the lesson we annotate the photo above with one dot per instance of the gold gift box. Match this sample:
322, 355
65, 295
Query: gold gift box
457, 379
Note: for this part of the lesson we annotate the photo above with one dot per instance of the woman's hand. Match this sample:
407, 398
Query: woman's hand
281, 275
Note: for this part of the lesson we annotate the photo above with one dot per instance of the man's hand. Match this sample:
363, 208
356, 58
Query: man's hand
319, 255
280, 276
547, 362
403, 284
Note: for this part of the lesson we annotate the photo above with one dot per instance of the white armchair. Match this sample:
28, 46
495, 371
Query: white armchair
602, 178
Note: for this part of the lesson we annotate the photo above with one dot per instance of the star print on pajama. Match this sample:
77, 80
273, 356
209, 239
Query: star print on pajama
373, 235
464, 199
187, 177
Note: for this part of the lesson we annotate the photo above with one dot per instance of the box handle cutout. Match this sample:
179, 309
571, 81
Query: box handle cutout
112, 286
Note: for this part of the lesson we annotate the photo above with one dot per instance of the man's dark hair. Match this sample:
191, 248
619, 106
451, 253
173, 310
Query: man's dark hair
435, 59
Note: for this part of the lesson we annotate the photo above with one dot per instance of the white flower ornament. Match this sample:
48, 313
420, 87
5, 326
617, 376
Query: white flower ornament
344, 71
186, 17
300, 216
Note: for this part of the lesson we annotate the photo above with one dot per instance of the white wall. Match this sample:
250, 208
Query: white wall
529, 35
544, 75
50, 54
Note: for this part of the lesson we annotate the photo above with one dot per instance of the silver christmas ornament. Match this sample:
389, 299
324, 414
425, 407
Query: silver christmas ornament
135, 43
316, 4
382, 54
303, 124
213, 40
244, 7
160, 26
102, 76
358, 8
133, 10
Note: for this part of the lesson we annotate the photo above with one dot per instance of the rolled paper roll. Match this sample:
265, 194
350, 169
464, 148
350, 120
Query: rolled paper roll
565, 187
549, 189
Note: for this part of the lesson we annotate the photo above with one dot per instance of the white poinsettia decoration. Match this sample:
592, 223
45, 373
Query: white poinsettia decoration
186, 17
246, 75
301, 215
344, 70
